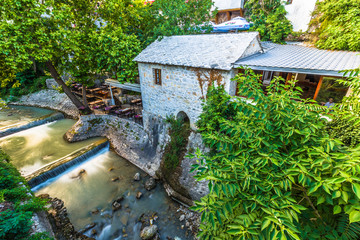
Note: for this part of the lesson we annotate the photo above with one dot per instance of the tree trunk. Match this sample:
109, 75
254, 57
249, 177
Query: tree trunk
34, 66
84, 96
66, 89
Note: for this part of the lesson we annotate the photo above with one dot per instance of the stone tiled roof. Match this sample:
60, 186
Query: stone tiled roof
217, 51
295, 58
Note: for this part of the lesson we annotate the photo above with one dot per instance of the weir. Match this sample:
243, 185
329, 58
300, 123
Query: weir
89, 177
63, 164
14, 128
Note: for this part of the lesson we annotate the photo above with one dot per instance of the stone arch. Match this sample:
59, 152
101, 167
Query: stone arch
183, 116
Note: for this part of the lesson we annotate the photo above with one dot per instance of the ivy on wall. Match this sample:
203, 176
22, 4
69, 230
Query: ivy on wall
207, 79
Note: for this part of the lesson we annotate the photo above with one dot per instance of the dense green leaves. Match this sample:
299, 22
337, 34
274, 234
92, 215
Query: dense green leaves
15, 222
338, 24
346, 124
273, 170
269, 19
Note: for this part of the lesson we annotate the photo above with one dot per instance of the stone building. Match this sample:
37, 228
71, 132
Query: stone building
175, 71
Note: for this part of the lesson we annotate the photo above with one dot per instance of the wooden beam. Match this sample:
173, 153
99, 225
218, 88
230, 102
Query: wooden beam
318, 87
228, 16
241, 12
288, 78
230, 9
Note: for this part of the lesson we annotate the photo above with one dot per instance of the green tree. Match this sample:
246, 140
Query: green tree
120, 49
32, 30
337, 25
269, 19
176, 17
273, 171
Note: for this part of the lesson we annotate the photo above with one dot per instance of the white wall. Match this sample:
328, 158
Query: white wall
299, 13
228, 4
180, 91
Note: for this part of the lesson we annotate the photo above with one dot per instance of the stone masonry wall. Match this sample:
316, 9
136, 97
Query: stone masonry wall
180, 91
143, 149
128, 139
51, 99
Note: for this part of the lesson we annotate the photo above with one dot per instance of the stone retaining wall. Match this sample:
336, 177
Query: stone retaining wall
143, 149
127, 138
51, 99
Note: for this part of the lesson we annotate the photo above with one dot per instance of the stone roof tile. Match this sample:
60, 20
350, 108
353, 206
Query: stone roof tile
202, 51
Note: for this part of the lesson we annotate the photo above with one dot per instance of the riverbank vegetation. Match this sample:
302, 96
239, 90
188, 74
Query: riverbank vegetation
273, 170
18, 204
174, 153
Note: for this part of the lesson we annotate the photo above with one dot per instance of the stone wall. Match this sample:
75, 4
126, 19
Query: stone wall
127, 138
180, 91
51, 99
195, 189
143, 149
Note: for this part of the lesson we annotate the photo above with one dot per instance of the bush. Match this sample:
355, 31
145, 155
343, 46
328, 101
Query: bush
273, 170
16, 223
175, 149
29, 83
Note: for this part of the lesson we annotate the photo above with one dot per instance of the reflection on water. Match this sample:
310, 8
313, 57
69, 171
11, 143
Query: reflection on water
35, 147
94, 190
20, 115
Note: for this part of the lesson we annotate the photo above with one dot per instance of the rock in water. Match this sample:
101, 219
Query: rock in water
114, 179
137, 177
150, 184
116, 204
148, 232
138, 195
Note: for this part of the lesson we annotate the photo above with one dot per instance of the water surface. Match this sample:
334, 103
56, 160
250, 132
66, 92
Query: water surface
95, 190
35, 147
20, 115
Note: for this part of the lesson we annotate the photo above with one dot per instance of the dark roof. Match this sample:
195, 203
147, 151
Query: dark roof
300, 59
217, 51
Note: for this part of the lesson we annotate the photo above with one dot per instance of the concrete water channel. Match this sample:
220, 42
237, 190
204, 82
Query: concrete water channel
104, 178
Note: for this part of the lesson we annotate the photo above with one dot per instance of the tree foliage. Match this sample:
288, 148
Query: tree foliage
269, 19
84, 38
338, 25
273, 171
346, 124
115, 52
176, 17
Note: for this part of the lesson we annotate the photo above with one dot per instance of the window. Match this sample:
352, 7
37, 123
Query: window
157, 76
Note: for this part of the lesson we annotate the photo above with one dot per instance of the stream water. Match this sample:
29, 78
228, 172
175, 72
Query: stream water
35, 147
19, 115
89, 198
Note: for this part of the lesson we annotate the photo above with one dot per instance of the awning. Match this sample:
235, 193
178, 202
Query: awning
127, 86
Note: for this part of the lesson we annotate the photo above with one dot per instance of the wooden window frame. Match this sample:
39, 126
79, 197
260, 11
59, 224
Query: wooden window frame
157, 76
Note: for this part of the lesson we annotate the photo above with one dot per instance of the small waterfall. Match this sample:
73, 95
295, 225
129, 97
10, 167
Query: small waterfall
49, 118
66, 166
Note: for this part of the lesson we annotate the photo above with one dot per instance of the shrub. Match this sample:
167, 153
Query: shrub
16, 223
273, 171
175, 149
